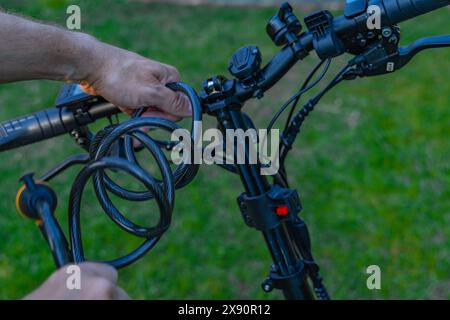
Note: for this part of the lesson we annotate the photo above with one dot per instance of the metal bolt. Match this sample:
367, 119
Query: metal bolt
267, 287
393, 39
387, 32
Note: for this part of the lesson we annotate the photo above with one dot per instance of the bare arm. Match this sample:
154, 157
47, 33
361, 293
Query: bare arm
37, 51
30, 50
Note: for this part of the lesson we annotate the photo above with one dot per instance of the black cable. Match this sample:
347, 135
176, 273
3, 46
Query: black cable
184, 173
292, 131
307, 80
298, 95
118, 139
281, 178
75, 203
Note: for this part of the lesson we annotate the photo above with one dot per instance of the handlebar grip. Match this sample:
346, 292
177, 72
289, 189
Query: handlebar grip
47, 124
397, 11
32, 128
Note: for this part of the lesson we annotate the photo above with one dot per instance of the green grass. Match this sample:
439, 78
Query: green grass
371, 166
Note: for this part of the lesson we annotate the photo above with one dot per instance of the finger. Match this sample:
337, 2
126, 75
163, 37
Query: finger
152, 112
120, 294
165, 73
169, 101
172, 75
161, 114
99, 269
133, 111
127, 111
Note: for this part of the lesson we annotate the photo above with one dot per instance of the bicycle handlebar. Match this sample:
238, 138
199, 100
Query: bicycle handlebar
345, 26
392, 12
65, 118
398, 11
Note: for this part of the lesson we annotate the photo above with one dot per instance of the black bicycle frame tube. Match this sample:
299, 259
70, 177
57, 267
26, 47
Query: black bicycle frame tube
277, 239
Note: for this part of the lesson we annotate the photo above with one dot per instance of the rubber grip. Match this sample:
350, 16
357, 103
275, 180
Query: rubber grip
48, 124
401, 10
31, 128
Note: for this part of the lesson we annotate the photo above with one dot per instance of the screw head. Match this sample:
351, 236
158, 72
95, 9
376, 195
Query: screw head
393, 39
267, 287
387, 32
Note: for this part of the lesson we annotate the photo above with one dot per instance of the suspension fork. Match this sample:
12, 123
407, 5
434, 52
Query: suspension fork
287, 272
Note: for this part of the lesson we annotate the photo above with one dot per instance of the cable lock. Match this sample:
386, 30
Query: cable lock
112, 148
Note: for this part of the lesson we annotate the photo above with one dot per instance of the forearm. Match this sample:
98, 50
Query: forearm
31, 50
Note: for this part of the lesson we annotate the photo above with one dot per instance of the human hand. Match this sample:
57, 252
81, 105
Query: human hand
98, 282
131, 81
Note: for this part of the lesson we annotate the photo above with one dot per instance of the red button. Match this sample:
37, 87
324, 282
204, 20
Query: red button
282, 211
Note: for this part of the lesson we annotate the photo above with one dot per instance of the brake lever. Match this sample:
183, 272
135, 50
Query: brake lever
377, 60
408, 52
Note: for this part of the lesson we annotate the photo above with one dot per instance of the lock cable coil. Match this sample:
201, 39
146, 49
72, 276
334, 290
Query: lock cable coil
162, 191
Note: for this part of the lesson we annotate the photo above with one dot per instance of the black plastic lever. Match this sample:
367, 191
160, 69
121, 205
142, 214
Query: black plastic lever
408, 52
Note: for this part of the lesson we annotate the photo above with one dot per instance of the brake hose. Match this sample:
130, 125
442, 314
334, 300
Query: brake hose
162, 191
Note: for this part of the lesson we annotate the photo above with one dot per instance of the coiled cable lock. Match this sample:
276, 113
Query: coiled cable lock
162, 191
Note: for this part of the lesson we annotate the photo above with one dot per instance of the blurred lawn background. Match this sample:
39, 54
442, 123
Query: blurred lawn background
371, 165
